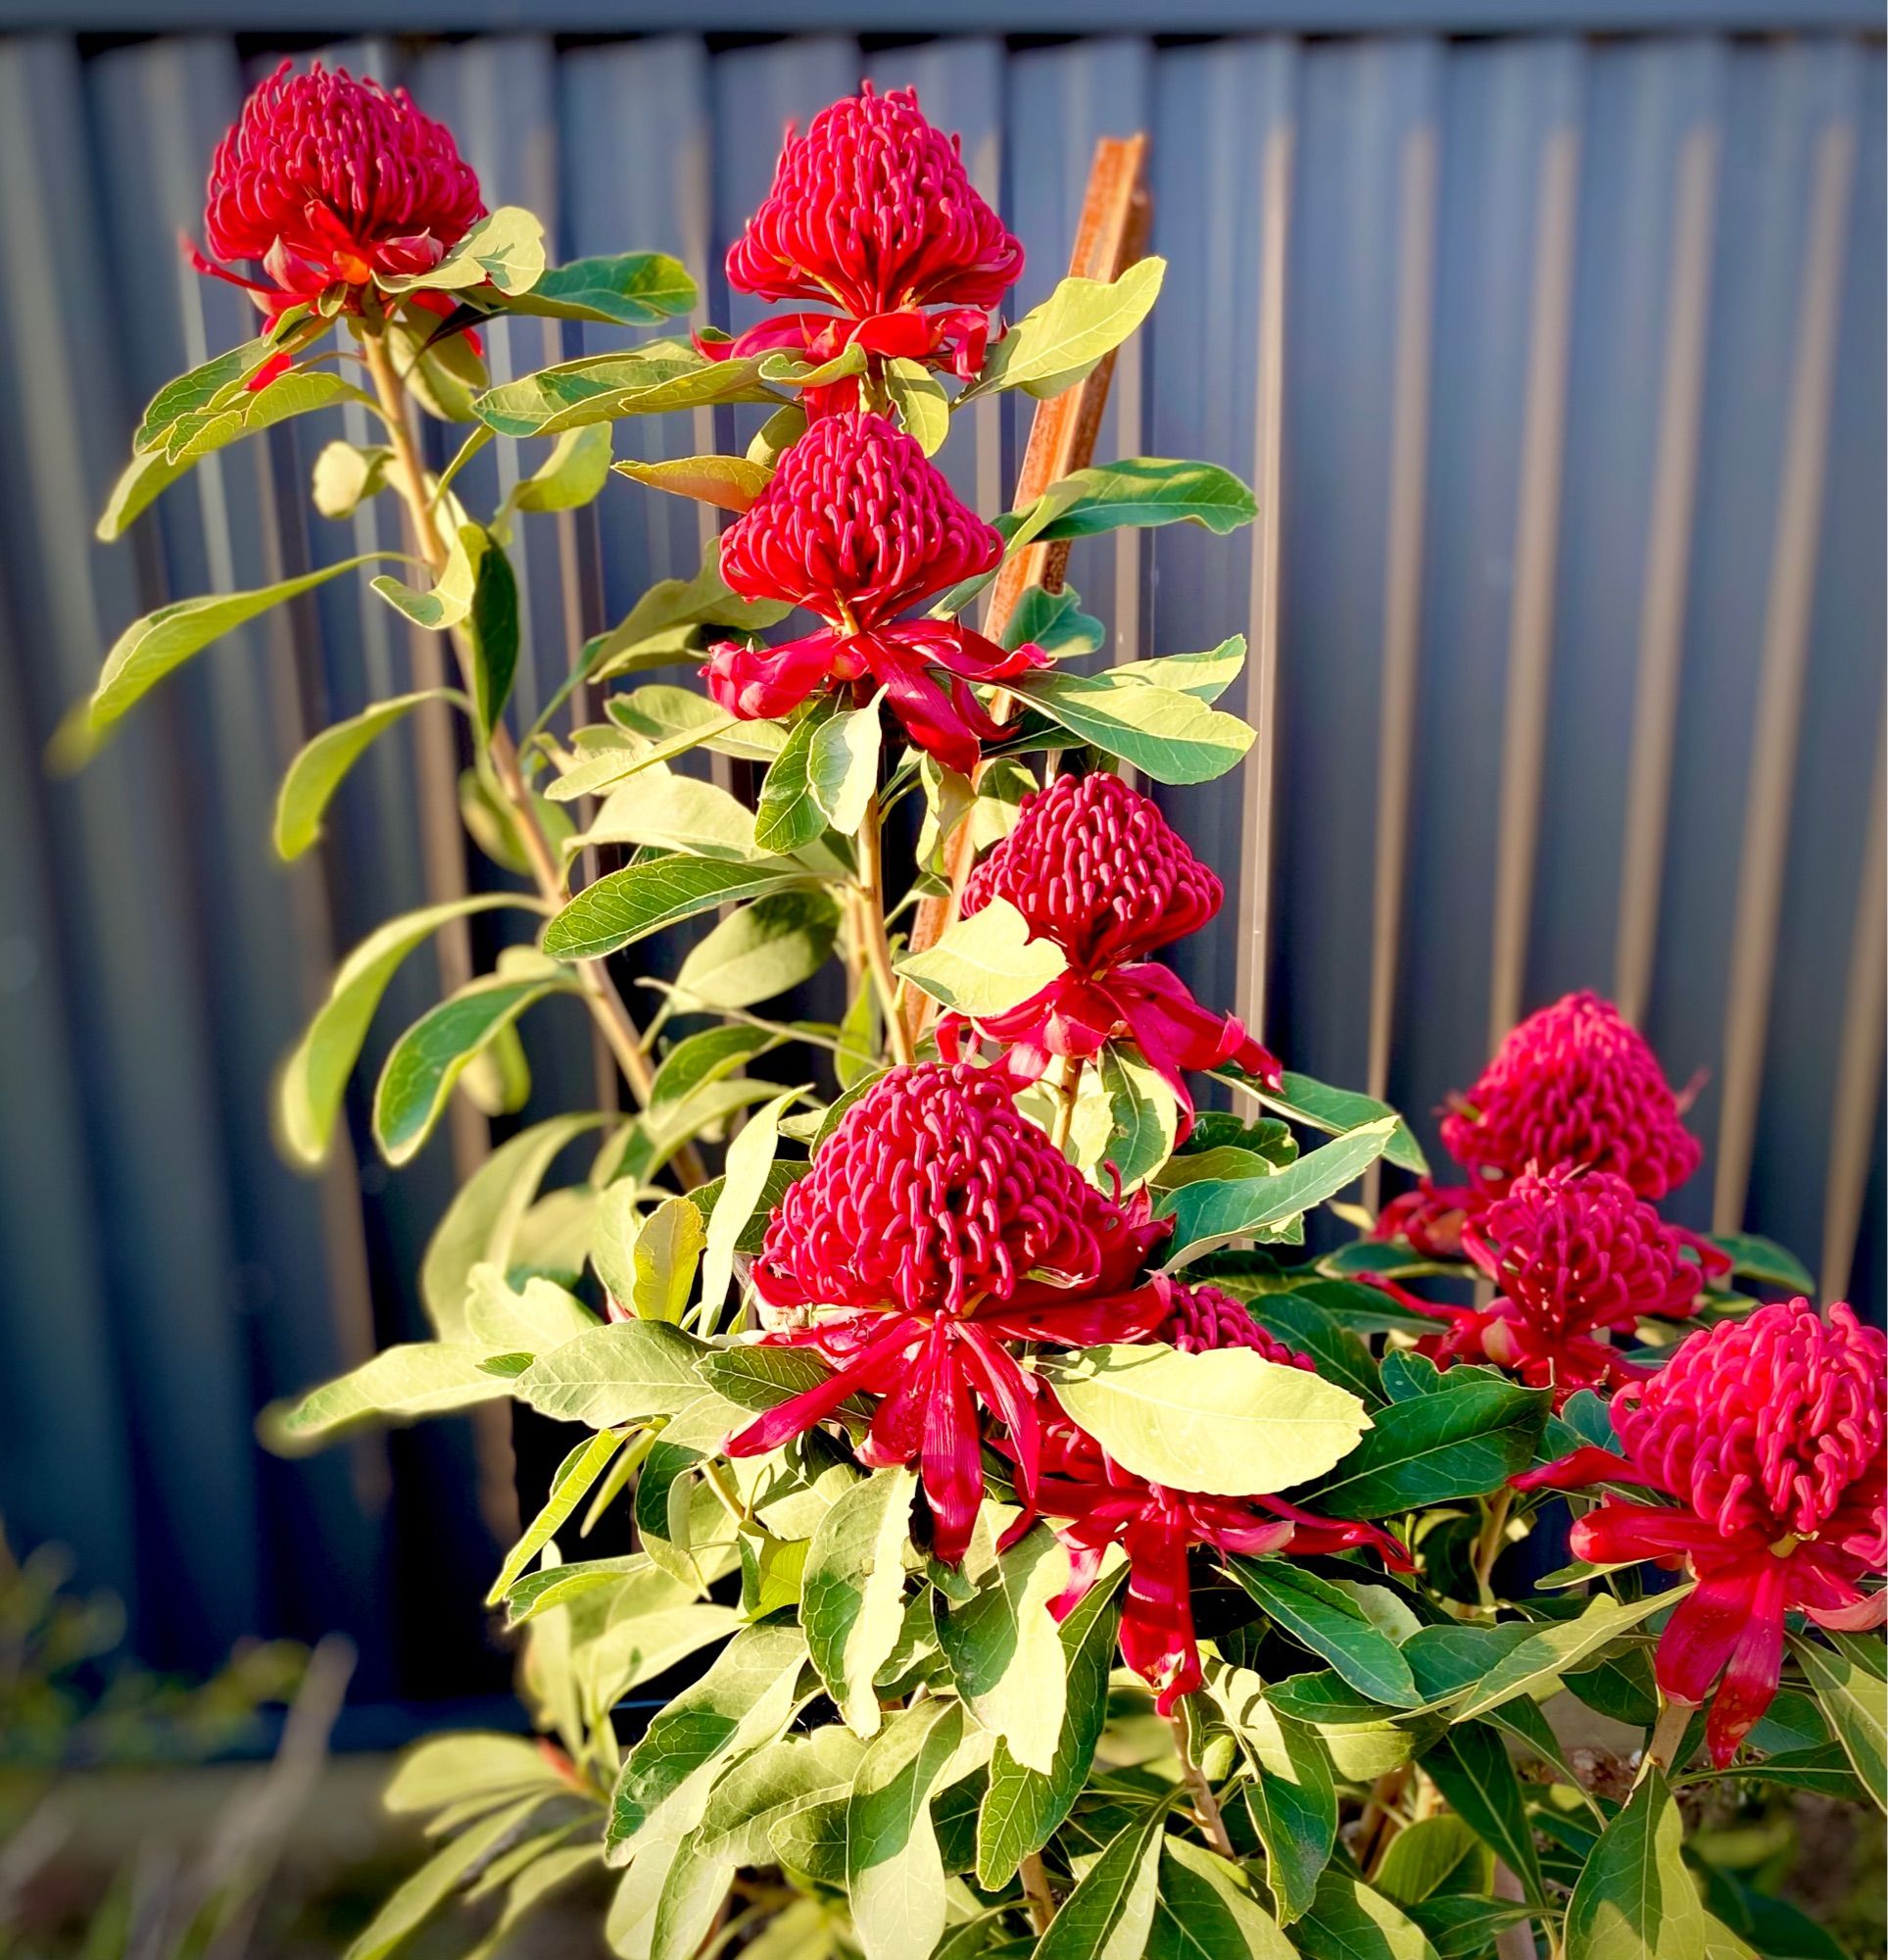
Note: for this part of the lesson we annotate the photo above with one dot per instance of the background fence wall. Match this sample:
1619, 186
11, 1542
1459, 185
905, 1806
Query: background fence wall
1558, 362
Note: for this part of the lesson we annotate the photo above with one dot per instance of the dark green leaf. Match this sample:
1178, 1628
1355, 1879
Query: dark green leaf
1470, 1768
1330, 1623
629, 905
1635, 1900
629, 289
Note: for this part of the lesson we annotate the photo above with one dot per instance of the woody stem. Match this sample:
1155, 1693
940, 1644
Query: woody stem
1037, 1893
1070, 1091
878, 953
1205, 1804
598, 990
1674, 1717
1487, 1549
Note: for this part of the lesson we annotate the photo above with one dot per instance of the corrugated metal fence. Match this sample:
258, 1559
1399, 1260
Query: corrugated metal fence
1558, 364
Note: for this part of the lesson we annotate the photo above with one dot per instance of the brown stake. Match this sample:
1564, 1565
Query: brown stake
1116, 215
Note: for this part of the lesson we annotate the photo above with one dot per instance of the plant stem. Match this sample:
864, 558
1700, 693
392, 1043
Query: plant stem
1037, 1893
1068, 1094
717, 1478
878, 953
598, 990
1674, 1717
1487, 1549
1205, 1803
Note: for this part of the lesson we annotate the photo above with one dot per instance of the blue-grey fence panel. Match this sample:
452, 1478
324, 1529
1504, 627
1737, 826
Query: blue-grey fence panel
1558, 360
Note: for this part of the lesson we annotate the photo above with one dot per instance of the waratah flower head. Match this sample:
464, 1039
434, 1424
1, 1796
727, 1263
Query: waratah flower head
1201, 1318
1573, 1084
934, 1194
871, 209
857, 524
1773, 1424
1095, 866
327, 180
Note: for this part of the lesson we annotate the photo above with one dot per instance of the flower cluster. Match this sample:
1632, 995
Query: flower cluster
1768, 1435
1095, 868
872, 211
326, 182
857, 526
937, 1231
1577, 1257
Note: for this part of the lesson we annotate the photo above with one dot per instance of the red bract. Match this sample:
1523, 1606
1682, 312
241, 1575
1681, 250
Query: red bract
1769, 1435
326, 182
1577, 1258
1571, 1085
856, 525
1101, 1504
871, 212
1094, 865
944, 1224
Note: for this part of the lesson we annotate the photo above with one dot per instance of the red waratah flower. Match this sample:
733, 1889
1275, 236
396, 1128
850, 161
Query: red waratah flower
1101, 1504
1571, 1085
871, 212
326, 182
942, 1224
1577, 1258
856, 525
1770, 1434
1094, 865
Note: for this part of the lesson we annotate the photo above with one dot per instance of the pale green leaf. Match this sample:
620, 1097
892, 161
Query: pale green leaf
437, 1879
623, 290
1172, 736
570, 476
419, 1378
1855, 1698
320, 767
1144, 490
924, 409
728, 482
1055, 344
505, 248
751, 1157
623, 906
1206, 1910
986, 964
1110, 1913
621, 1373
1635, 1900
603, 387
852, 1590
895, 1873
347, 474
1006, 1652
569, 1485
760, 951
843, 766
668, 812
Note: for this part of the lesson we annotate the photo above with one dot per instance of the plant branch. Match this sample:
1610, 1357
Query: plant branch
1205, 1803
1067, 1097
1036, 1895
1674, 1718
878, 953
592, 977
1493, 1536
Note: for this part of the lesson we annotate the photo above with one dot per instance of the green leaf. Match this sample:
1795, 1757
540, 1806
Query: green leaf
1056, 344
603, 387
760, 951
448, 601
1145, 490
1338, 1111
1207, 676
843, 766
569, 1487
445, 1770
1291, 1797
788, 816
1855, 1700
666, 811
1004, 1651
1206, 1910
772, 1785
429, 1057
751, 1157
986, 964
1023, 1808
663, 1258
419, 1378
1467, 1435
628, 289
1431, 1852
437, 1879
852, 1595
1351, 1921
189, 394
152, 647
570, 476
1170, 736
1329, 1622
1766, 1261
623, 906
1461, 1927
501, 1319
1556, 1648
893, 1871
1472, 1769
1225, 1422
621, 1373
745, 1698
481, 1224
491, 628
316, 1077
727, 482
1110, 1913
1144, 1111
321, 766
1635, 1900
924, 409
660, 709
346, 475
506, 248
1214, 1211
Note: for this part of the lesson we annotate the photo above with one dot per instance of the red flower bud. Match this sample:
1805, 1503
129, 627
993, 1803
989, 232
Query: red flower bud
1202, 1317
1574, 1085
1770, 1434
871, 209
327, 181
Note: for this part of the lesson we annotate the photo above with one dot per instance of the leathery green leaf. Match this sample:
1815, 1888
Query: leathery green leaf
1635, 1900
1110, 1913
986, 964
852, 1590
1855, 1700
1329, 1622
419, 1378
624, 1372
323, 764
1205, 1910
1005, 1650
893, 1871
629, 905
